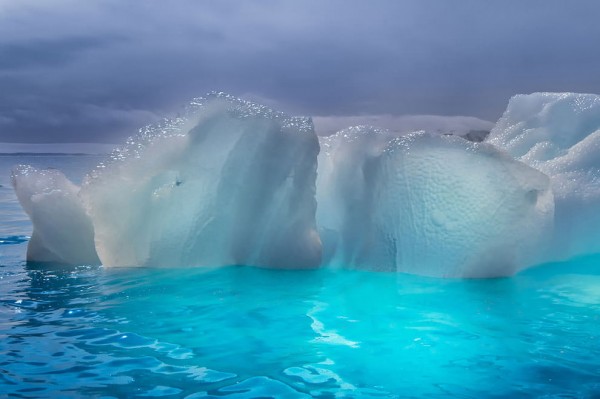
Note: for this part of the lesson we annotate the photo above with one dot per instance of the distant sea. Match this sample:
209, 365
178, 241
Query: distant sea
243, 332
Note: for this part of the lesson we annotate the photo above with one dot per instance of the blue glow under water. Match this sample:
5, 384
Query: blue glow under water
241, 332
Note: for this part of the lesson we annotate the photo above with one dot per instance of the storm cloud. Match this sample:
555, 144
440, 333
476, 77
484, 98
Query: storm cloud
73, 71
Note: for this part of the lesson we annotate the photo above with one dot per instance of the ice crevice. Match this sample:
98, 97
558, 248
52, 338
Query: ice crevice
231, 182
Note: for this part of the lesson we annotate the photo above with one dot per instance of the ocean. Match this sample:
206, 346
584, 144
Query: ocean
244, 332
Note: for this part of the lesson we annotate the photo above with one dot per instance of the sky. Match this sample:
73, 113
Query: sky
96, 71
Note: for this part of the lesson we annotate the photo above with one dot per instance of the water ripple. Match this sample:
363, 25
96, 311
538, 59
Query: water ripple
12, 240
247, 333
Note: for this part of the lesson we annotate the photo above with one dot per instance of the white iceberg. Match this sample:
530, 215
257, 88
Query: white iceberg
230, 182
559, 134
235, 183
428, 204
62, 231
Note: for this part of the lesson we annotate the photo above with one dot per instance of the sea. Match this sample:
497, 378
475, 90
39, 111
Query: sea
244, 332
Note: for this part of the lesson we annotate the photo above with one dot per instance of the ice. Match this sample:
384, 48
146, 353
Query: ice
228, 183
428, 204
234, 183
559, 134
62, 232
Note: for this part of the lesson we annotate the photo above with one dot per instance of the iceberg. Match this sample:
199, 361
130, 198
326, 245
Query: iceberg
228, 183
559, 134
428, 204
62, 231
234, 183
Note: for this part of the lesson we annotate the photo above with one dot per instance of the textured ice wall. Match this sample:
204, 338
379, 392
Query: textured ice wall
429, 204
559, 134
62, 232
347, 185
230, 182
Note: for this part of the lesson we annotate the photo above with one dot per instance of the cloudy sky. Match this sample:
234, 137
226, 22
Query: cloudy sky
95, 71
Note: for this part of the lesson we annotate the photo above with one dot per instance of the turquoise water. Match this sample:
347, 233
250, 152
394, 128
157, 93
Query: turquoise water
241, 332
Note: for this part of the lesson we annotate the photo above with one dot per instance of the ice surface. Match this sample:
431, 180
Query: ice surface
559, 134
230, 182
428, 204
62, 232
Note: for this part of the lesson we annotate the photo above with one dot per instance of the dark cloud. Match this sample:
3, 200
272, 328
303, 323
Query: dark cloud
96, 71
39, 53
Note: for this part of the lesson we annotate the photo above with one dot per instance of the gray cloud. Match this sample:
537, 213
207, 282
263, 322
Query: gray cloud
97, 71
46, 53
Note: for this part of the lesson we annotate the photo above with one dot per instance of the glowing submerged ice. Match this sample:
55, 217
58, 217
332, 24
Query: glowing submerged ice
429, 204
559, 134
